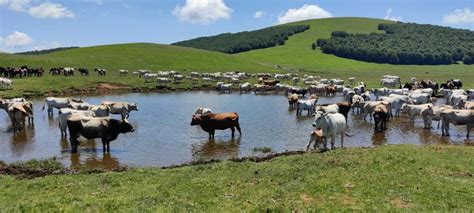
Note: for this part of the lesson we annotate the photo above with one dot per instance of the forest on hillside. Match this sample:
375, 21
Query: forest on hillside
245, 41
403, 43
41, 52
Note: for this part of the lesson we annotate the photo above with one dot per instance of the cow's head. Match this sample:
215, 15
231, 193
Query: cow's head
319, 117
133, 106
196, 120
125, 126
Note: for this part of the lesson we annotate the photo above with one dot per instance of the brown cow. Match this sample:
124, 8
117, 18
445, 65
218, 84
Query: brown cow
331, 90
293, 100
221, 121
271, 83
317, 137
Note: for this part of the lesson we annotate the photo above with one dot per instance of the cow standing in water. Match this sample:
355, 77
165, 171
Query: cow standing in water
91, 127
220, 121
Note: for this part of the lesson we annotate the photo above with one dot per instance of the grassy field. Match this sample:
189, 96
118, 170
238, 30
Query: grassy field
124, 56
297, 53
295, 56
388, 178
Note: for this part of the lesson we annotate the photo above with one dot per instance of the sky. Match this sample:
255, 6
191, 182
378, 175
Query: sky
44, 24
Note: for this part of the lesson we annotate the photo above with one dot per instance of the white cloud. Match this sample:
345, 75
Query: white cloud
202, 11
259, 14
308, 11
98, 2
16, 5
17, 39
50, 10
388, 16
459, 16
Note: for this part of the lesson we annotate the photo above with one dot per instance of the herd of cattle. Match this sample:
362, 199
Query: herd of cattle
80, 118
417, 98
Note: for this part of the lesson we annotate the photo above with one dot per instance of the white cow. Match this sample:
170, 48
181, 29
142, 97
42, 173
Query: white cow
222, 87
202, 111
357, 103
331, 124
120, 108
457, 117
245, 87
309, 105
414, 110
150, 76
58, 103
419, 98
65, 113
6, 83
433, 113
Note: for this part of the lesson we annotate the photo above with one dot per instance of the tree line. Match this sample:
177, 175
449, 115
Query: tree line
403, 43
41, 52
245, 41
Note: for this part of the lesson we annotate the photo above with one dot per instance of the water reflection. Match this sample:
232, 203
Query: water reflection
216, 149
107, 161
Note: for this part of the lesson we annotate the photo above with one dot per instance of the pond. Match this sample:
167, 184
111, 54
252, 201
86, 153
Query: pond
163, 135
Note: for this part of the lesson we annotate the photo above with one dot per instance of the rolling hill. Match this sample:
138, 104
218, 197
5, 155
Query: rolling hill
296, 55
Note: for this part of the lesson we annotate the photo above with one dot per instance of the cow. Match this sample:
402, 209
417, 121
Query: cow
462, 104
413, 110
65, 113
396, 102
369, 108
262, 89
317, 137
101, 72
380, 92
245, 87
17, 113
388, 82
457, 117
6, 83
58, 103
381, 117
84, 71
79, 106
309, 105
293, 100
150, 76
202, 111
298, 91
222, 87
220, 121
331, 125
331, 90
121, 108
419, 98
123, 72
431, 113
106, 129
357, 103
99, 110
161, 81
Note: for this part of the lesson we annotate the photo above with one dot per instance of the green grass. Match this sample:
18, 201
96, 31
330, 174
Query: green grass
295, 56
297, 53
387, 178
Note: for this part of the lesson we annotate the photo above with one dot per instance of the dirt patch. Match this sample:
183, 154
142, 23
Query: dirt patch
112, 86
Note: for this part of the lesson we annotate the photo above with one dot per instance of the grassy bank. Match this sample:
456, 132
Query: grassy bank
384, 178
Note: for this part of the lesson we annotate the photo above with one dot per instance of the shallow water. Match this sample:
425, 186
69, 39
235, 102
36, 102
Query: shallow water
163, 135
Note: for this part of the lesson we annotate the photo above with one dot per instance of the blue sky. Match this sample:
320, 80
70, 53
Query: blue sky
43, 24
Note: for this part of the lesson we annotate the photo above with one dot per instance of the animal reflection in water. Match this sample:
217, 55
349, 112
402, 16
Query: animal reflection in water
216, 149
93, 160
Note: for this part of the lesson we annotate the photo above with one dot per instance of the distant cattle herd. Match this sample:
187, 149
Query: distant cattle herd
415, 98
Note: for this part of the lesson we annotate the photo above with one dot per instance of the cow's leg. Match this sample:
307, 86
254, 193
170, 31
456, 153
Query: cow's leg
333, 140
309, 142
233, 131
342, 139
238, 129
468, 130
108, 146
104, 145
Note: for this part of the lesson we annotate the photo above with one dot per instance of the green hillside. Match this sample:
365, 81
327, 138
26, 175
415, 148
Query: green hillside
132, 57
297, 53
295, 56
